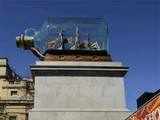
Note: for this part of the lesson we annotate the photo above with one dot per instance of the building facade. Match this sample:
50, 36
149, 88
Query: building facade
16, 94
148, 107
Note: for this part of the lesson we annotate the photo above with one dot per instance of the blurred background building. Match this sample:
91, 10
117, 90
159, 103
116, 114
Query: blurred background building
16, 94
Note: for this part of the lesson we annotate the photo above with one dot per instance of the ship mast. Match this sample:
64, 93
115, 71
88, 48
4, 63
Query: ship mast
77, 38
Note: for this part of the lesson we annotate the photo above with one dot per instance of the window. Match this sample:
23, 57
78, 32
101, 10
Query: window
12, 117
1, 108
11, 82
13, 93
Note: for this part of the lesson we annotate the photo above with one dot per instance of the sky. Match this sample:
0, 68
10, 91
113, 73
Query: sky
134, 33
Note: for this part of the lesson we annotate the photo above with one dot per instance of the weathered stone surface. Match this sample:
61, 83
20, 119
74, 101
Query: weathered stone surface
79, 92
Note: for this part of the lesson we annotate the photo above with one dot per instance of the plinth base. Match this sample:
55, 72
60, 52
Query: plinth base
78, 115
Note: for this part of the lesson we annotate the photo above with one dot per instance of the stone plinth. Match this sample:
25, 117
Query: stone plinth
79, 91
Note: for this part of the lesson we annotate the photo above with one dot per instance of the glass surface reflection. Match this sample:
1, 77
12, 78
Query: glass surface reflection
69, 33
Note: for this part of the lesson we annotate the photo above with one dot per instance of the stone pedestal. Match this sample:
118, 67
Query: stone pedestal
79, 91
